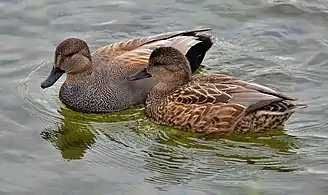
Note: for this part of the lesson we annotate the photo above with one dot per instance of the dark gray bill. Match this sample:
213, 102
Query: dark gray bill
55, 74
139, 75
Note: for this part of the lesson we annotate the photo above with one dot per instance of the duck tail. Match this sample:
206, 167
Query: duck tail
281, 108
196, 53
300, 106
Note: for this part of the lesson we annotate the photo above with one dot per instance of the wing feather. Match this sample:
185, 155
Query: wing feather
223, 89
118, 48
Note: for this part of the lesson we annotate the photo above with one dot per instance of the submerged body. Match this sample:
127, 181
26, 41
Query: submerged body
210, 103
96, 82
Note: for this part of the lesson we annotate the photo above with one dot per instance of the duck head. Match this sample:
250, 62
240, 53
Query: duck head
167, 65
72, 56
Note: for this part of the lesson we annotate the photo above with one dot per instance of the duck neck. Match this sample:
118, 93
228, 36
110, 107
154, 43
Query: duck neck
75, 77
162, 90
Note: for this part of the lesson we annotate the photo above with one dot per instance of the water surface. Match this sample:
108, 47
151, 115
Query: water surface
49, 149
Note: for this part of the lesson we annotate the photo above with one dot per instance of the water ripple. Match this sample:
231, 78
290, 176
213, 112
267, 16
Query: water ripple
281, 44
174, 157
128, 141
35, 104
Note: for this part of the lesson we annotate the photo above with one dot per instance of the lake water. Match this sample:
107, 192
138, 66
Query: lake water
48, 149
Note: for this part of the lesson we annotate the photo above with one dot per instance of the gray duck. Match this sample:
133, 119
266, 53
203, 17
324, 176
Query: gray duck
209, 102
96, 82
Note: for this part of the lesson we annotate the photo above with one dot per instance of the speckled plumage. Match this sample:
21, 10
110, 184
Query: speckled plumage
96, 83
211, 103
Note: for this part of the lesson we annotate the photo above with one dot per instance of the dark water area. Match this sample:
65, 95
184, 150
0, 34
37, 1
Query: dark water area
49, 149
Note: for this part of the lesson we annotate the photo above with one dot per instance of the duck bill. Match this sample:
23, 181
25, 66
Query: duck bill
55, 74
139, 75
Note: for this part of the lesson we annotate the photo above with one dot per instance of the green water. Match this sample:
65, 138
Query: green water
49, 149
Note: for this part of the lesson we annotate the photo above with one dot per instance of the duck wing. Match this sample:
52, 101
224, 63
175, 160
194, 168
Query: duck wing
133, 54
202, 106
217, 102
223, 89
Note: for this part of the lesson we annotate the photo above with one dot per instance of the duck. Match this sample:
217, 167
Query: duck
96, 82
209, 103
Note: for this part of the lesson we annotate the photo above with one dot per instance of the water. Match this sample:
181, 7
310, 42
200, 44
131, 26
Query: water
48, 149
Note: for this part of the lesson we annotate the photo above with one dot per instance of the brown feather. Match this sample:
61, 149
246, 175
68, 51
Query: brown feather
96, 82
211, 103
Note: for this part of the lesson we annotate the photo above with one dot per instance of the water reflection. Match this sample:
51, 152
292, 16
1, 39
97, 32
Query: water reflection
173, 156
72, 139
74, 135
179, 157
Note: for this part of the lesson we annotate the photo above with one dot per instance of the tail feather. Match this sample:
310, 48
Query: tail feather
301, 106
193, 44
193, 47
280, 108
175, 34
196, 53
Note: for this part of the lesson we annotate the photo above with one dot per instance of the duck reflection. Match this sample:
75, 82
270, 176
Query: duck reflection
173, 156
178, 157
75, 134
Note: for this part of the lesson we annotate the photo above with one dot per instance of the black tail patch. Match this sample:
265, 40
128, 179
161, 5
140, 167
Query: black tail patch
196, 53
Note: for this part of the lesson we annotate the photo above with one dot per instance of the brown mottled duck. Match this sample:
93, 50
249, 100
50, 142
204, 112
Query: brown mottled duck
209, 103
